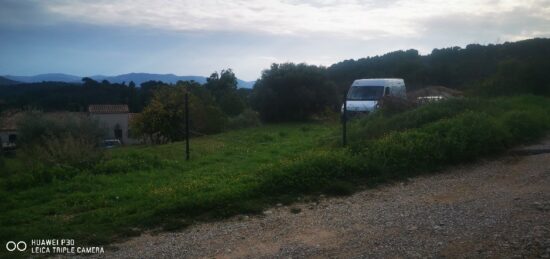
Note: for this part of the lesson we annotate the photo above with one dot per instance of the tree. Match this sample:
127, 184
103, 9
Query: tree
223, 88
133, 97
163, 120
88, 82
293, 92
514, 77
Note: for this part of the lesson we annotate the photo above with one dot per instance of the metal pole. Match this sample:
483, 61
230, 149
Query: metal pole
344, 122
186, 126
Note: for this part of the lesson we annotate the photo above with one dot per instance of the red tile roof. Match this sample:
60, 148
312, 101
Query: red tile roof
108, 108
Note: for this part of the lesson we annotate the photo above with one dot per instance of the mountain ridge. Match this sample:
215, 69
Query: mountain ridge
6, 81
137, 78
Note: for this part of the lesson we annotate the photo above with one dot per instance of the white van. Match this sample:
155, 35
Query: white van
363, 95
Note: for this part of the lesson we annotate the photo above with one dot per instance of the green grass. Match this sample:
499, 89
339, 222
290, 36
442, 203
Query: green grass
422, 140
244, 171
154, 186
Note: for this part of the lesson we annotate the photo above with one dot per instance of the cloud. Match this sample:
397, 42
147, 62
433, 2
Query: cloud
354, 19
16, 12
200, 36
517, 23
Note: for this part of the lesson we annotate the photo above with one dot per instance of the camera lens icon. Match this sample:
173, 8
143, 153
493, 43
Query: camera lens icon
12, 246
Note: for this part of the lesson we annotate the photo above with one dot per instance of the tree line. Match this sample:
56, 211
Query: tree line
293, 92
213, 107
298, 91
471, 68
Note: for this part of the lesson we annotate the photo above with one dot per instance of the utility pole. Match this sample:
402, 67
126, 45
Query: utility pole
187, 124
344, 122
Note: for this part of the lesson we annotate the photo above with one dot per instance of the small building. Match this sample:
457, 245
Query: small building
8, 129
114, 118
9, 120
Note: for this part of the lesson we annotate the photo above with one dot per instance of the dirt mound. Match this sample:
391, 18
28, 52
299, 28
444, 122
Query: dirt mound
437, 90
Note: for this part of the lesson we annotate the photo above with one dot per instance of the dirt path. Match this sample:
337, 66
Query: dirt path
496, 209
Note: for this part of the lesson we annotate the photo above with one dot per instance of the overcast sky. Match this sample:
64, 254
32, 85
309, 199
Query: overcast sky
197, 37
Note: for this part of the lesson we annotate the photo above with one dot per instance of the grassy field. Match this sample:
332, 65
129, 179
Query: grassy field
244, 171
142, 187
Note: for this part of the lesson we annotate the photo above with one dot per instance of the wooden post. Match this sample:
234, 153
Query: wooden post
186, 125
344, 122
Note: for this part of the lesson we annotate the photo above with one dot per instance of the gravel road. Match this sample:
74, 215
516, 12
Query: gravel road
490, 209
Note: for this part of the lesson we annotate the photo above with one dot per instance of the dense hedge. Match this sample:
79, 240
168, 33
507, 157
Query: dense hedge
417, 141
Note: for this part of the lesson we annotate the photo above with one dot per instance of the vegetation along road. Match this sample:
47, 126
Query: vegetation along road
236, 175
493, 208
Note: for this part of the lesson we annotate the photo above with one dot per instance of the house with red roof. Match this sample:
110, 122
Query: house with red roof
114, 118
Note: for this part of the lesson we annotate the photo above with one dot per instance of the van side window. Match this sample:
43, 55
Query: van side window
387, 91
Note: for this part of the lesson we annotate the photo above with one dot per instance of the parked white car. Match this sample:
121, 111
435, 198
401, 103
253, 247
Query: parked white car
111, 143
364, 94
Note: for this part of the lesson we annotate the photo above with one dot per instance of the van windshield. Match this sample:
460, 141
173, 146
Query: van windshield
365, 93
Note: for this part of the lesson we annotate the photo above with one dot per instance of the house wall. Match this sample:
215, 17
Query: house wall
110, 121
5, 134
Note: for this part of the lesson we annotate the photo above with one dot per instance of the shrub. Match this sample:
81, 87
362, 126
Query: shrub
524, 125
312, 172
61, 139
376, 125
36, 127
421, 140
448, 141
247, 119
68, 150
291, 92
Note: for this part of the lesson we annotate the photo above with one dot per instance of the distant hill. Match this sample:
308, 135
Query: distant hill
53, 77
138, 78
5, 81
245, 84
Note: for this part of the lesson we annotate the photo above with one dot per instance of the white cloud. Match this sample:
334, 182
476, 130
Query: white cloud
358, 19
200, 36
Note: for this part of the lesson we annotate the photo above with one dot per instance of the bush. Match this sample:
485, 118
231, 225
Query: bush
413, 142
291, 92
312, 172
61, 139
463, 138
378, 124
36, 127
163, 119
68, 150
246, 119
525, 126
